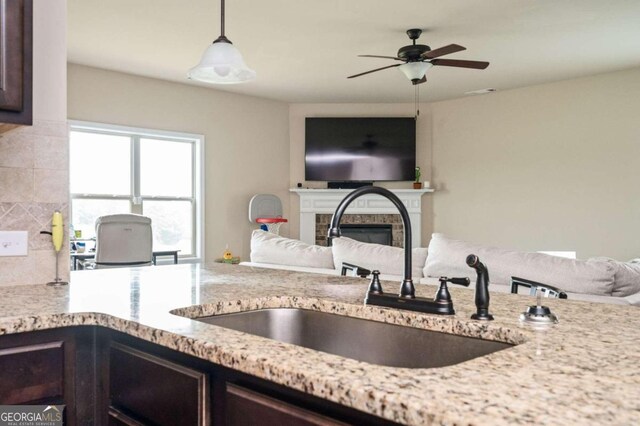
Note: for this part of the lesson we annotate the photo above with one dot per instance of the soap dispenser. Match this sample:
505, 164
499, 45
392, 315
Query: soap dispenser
538, 314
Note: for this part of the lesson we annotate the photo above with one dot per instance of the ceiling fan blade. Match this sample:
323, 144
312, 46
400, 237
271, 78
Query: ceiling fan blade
422, 80
383, 57
460, 63
445, 50
377, 69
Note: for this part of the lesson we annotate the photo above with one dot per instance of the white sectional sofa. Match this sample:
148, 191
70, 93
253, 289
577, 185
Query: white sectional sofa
596, 280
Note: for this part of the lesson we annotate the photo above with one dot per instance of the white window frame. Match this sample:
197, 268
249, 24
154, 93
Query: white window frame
136, 133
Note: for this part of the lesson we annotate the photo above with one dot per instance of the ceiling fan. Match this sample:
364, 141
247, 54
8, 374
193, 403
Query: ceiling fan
418, 58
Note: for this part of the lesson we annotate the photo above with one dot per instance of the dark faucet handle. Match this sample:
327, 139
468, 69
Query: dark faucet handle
459, 281
465, 281
443, 295
374, 285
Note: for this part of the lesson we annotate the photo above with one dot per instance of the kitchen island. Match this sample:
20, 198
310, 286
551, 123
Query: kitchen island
582, 371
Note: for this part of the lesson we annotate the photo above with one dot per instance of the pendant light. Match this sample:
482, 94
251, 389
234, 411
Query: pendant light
222, 63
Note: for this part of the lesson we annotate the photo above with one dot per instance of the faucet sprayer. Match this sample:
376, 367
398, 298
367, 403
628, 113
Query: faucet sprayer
482, 288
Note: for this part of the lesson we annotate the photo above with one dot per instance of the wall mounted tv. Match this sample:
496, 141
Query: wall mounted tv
360, 149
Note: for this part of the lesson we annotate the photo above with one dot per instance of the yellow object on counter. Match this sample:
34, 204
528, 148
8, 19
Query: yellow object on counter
57, 230
226, 254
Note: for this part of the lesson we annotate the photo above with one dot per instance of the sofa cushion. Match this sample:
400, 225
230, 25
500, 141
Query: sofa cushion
386, 259
627, 276
447, 257
267, 247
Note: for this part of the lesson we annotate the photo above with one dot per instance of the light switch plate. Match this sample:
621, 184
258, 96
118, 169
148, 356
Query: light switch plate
14, 243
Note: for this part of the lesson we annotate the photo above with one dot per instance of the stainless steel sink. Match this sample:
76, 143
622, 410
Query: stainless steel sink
369, 341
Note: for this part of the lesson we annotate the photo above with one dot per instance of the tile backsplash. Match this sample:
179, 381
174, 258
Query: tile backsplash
34, 182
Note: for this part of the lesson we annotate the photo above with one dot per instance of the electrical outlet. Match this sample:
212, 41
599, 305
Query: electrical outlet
14, 243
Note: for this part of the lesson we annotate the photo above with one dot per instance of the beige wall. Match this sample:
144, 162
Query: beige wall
33, 159
246, 149
50, 60
297, 114
548, 167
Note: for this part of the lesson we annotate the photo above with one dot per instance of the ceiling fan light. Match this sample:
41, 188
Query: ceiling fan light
222, 63
415, 70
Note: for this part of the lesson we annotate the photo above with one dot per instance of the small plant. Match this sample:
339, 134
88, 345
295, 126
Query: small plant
416, 183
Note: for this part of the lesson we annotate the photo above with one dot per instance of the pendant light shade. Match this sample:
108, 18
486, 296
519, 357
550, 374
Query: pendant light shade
415, 70
222, 63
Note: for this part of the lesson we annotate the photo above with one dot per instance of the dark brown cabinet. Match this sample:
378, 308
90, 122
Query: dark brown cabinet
244, 407
106, 377
146, 384
16, 57
146, 389
32, 372
50, 367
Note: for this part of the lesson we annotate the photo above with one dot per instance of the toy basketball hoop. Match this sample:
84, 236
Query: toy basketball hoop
271, 224
266, 210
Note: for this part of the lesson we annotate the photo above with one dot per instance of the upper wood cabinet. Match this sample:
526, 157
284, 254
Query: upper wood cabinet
16, 57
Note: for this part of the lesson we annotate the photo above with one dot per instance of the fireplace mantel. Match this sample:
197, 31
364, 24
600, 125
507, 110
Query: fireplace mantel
319, 201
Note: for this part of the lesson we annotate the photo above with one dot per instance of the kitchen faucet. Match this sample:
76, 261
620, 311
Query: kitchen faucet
406, 299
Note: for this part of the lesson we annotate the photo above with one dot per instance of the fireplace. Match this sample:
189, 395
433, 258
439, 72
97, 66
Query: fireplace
318, 205
377, 228
372, 233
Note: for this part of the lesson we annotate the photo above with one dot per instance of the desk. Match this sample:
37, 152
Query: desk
161, 253
75, 257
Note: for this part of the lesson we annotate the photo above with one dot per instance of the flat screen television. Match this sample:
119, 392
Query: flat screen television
360, 149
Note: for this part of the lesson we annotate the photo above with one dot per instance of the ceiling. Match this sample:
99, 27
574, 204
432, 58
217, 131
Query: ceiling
302, 50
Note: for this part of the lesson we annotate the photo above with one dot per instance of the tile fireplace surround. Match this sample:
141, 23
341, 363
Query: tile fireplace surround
315, 202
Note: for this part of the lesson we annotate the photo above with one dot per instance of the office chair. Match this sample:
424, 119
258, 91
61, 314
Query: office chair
123, 240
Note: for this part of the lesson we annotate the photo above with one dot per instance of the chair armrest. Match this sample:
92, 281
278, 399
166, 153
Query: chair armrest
547, 290
354, 270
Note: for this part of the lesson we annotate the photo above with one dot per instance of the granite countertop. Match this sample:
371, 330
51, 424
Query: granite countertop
585, 370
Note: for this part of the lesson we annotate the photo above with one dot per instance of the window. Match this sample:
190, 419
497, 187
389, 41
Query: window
158, 174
